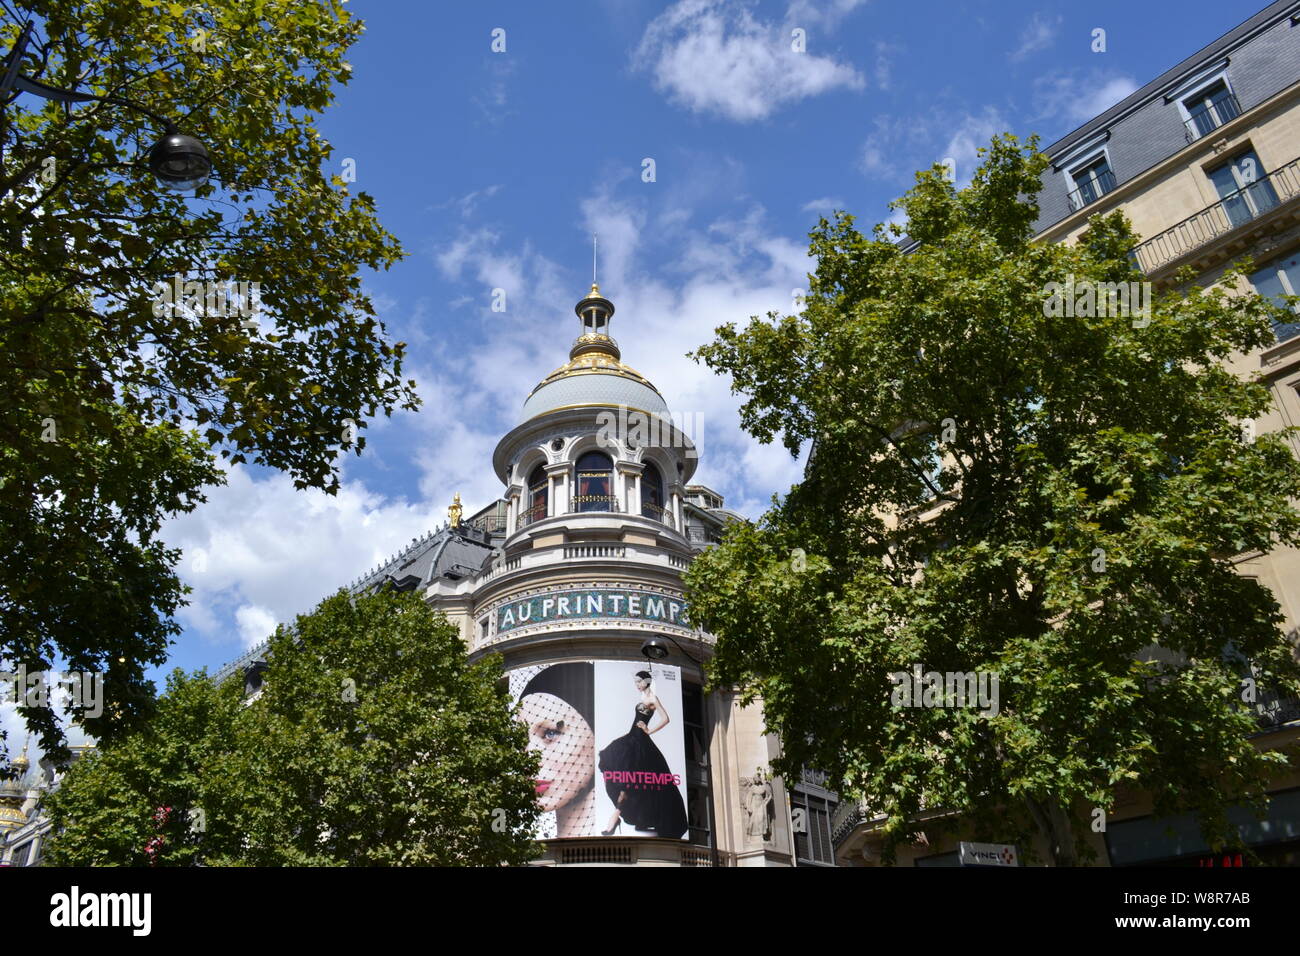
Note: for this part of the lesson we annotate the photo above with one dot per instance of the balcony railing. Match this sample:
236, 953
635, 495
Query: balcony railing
847, 815
698, 535
1210, 116
492, 522
1090, 190
1276, 709
595, 503
1232, 211
653, 511
535, 513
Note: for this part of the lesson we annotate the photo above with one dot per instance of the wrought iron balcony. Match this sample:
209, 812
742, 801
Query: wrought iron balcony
1231, 212
698, 534
1276, 709
491, 522
535, 513
1091, 190
1211, 115
847, 815
595, 503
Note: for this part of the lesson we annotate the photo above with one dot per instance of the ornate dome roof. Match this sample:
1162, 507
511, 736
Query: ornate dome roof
594, 374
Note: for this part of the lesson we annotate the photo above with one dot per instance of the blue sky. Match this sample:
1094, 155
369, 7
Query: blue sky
494, 169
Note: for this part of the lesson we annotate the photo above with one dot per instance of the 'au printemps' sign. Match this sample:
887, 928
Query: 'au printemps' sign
591, 603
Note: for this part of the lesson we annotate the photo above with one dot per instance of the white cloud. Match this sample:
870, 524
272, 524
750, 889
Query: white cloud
1077, 98
260, 551
712, 56
820, 12
967, 135
823, 205
617, 226
467, 205
255, 624
1040, 33
884, 67
898, 147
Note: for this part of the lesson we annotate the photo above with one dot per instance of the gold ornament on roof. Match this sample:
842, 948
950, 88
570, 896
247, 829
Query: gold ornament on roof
454, 512
594, 351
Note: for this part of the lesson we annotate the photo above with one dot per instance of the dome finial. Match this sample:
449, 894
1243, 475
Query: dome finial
595, 311
22, 763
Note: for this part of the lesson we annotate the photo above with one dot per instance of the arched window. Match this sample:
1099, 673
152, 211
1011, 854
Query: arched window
595, 483
537, 495
652, 493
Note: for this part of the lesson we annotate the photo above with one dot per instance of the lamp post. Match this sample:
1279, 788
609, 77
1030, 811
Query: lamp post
179, 162
655, 649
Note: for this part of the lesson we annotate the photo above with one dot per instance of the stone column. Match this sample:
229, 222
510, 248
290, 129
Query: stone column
557, 475
512, 510
628, 476
675, 493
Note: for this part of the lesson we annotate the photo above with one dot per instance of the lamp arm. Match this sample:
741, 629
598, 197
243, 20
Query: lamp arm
29, 85
684, 650
11, 79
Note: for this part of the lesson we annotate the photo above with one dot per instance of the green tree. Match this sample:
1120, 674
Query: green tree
144, 785
113, 403
1054, 499
372, 742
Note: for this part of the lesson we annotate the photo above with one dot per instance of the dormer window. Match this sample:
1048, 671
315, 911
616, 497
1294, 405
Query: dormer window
1091, 180
1208, 108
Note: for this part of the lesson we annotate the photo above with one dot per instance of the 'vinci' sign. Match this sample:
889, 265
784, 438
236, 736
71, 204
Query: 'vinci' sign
591, 603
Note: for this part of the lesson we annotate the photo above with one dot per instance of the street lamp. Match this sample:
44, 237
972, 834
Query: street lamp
656, 650
179, 162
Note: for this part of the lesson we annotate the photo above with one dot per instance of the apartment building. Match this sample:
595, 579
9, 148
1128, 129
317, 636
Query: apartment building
1204, 161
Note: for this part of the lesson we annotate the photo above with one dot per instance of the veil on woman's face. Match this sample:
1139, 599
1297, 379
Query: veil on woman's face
554, 706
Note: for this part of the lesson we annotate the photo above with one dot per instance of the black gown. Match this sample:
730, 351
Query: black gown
646, 806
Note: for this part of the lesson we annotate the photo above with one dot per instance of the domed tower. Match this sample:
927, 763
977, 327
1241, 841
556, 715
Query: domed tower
596, 437
574, 577
583, 599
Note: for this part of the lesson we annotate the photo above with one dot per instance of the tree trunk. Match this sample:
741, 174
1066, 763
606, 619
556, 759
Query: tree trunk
1054, 823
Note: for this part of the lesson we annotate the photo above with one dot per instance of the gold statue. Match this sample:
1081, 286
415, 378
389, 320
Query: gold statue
454, 512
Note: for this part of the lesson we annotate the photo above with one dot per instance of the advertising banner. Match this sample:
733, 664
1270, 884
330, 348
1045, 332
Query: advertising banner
613, 755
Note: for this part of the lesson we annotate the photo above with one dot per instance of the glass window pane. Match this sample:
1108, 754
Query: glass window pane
1274, 281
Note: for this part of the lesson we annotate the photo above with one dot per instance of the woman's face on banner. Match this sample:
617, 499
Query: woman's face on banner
567, 746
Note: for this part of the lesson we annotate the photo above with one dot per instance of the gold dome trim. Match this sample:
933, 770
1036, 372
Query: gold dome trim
595, 363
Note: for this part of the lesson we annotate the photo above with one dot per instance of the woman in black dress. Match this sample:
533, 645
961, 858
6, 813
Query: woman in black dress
637, 779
